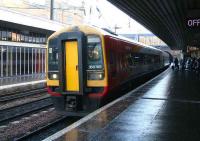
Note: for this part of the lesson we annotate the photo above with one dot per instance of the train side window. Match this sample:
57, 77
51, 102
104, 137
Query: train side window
130, 60
113, 64
142, 58
136, 59
157, 59
147, 59
111, 58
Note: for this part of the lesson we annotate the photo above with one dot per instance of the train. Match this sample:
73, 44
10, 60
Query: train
88, 64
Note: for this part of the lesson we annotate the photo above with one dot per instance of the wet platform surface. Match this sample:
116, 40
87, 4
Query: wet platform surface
164, 109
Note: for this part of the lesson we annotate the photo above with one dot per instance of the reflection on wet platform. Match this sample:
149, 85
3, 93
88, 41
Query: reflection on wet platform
166, 108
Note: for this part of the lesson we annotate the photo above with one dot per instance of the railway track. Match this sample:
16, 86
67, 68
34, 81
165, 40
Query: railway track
49, 129
17, 95
13, 113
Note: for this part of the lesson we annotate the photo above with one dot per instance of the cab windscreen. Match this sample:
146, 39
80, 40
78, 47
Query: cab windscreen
95, 67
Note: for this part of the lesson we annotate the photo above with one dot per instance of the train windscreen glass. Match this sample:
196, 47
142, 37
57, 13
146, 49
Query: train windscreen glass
95, 58
95, 70
52, 60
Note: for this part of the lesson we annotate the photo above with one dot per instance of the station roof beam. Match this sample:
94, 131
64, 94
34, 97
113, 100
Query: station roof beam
176, 22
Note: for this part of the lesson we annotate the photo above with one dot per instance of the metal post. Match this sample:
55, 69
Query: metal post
1, 61
28, 59
16, 63
51, 9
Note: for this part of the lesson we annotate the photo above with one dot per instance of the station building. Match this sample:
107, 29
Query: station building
67, 12
23, 46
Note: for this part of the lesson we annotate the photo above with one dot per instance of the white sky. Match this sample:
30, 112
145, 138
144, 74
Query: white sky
112, 16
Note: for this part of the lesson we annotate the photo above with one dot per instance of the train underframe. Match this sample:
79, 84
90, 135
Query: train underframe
76, 105
80, 105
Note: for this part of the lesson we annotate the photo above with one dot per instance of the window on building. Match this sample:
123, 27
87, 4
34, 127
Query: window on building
30, 39
14, 36
22, 38
37, 39
18, 37
9, 35
44, 40
34, 38
4, 35
26, 38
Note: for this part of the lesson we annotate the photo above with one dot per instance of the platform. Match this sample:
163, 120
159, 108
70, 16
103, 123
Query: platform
21, 79
164, 109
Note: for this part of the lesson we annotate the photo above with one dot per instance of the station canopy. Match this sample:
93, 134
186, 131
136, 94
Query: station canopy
176, 22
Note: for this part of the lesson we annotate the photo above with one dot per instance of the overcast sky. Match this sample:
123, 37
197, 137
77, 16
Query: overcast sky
107, 16
110, 16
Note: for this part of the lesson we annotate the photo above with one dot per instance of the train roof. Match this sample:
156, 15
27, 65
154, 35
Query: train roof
94, 29
108, 32
15, 17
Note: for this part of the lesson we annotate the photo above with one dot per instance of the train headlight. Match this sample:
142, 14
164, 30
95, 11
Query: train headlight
95, 75
53, 75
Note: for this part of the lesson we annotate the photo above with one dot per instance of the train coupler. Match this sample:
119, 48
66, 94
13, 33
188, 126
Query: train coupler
73, 103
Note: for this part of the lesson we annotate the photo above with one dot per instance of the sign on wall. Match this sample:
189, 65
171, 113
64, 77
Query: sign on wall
193, 22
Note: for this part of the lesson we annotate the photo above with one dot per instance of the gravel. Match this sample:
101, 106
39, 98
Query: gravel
27, 124
13, 103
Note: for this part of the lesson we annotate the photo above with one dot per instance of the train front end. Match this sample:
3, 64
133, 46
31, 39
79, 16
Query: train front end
76, 69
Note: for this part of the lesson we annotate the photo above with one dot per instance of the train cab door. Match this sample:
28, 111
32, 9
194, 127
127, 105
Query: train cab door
71, 66
72, 63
